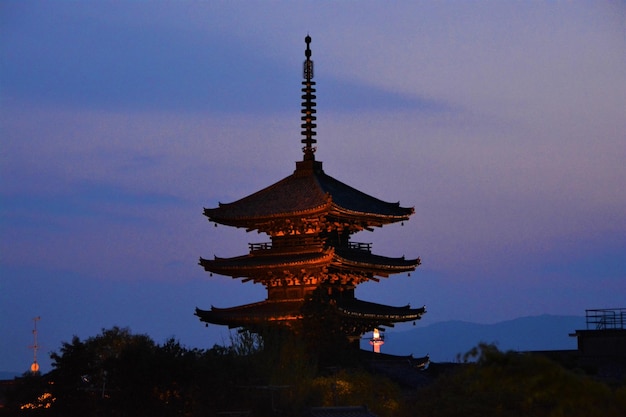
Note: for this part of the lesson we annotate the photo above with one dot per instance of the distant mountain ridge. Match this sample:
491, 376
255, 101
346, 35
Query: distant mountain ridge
445, 340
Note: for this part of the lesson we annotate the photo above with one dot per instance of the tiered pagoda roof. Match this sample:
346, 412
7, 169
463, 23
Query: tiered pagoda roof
309, 217
269, 311
309, 193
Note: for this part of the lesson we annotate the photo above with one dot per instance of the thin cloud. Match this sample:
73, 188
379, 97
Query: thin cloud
501, 124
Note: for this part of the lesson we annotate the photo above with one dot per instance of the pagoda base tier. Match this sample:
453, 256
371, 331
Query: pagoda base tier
288, 312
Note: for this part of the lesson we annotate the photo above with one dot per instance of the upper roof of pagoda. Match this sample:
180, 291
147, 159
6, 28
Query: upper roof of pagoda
309, 192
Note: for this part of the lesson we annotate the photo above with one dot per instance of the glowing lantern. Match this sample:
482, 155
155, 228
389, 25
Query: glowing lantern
377, 341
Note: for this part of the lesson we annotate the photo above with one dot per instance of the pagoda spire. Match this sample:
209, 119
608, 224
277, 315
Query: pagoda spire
308, 105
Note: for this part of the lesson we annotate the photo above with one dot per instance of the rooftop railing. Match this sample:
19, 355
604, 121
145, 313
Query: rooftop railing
607, 318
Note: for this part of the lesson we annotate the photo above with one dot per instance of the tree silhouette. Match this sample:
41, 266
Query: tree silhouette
493, 383
118, 373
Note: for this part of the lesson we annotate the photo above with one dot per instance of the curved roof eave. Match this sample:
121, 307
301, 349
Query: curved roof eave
254, 313
364, 310
240, 264
246, 221
341, 211
358, 258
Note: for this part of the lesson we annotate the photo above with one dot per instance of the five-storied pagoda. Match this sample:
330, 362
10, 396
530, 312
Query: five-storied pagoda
309, 217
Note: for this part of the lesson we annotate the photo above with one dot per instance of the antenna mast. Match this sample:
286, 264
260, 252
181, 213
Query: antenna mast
34, 368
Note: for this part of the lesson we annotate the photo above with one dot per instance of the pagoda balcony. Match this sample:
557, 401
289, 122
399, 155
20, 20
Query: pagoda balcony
307, 244
365, 247
299, 245
254, 247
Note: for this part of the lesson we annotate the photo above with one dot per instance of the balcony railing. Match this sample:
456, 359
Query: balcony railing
260, 246
286, 244
300, 243
367, 247
608, 318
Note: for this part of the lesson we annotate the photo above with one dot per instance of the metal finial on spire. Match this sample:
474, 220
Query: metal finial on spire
308, 106
307, 71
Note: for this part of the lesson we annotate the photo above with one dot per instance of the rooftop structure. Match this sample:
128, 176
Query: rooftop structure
310, 257
602, 345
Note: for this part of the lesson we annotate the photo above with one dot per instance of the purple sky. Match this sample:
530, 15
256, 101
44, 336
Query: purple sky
502, 123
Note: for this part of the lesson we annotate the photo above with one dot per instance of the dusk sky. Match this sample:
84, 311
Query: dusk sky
502, 123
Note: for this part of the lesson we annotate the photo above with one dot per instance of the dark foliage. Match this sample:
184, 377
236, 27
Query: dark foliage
492, 383
118, 373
